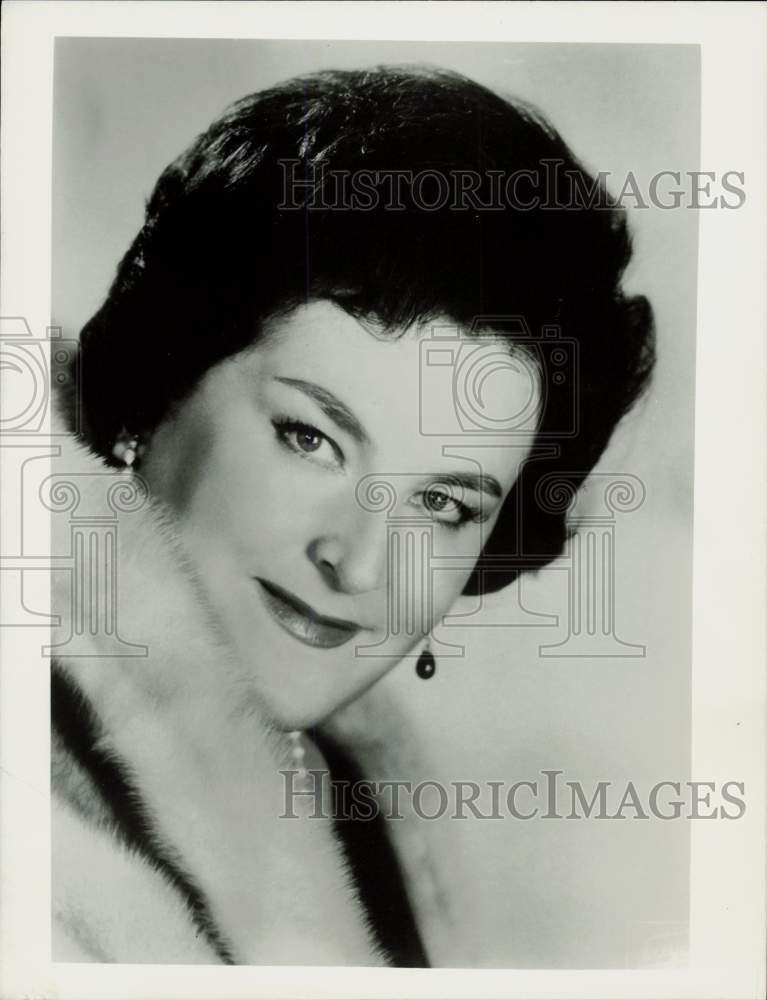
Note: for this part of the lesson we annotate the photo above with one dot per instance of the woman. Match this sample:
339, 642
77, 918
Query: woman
258, 377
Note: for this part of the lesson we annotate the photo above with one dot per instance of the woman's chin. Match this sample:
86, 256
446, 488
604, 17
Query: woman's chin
291, 710
289, 718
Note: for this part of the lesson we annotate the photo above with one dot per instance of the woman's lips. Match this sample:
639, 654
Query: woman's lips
303, 622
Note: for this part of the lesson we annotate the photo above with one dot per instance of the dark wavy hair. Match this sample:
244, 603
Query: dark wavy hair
221, 251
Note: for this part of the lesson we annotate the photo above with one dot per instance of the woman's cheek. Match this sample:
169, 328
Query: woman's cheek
465, 545
287, 501
465, 540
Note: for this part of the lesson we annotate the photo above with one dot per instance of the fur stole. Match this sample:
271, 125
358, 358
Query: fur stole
212, 874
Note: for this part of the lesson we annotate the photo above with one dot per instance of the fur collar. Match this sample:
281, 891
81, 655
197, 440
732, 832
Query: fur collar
205, 763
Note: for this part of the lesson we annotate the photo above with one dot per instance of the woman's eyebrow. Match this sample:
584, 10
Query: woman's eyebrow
480, 483
330, 405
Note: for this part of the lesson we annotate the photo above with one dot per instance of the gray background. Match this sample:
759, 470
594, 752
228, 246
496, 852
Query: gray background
544, 893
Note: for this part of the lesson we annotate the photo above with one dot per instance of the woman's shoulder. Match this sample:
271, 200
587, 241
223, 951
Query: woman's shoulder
170, 843
110, 903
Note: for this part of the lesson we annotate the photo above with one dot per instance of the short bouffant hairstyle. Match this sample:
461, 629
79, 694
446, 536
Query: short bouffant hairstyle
226, 245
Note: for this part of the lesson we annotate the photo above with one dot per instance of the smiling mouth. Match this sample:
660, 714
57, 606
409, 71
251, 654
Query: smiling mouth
303, 622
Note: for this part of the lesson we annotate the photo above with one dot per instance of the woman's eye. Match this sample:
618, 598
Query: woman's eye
447, 509
308, 441
437, 501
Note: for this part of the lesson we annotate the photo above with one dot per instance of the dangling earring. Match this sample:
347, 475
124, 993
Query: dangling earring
127, 448
426, 666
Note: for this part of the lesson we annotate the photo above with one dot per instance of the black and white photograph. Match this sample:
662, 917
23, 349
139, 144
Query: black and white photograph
366, 421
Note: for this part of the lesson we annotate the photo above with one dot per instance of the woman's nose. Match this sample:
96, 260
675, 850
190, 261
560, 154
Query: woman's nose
353, 559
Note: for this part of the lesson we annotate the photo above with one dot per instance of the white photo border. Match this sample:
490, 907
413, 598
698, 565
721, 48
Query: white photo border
728, 873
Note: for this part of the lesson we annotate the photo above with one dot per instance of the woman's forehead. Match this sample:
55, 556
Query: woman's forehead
479, 370
421, 394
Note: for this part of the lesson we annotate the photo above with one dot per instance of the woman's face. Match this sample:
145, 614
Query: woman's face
330, 500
